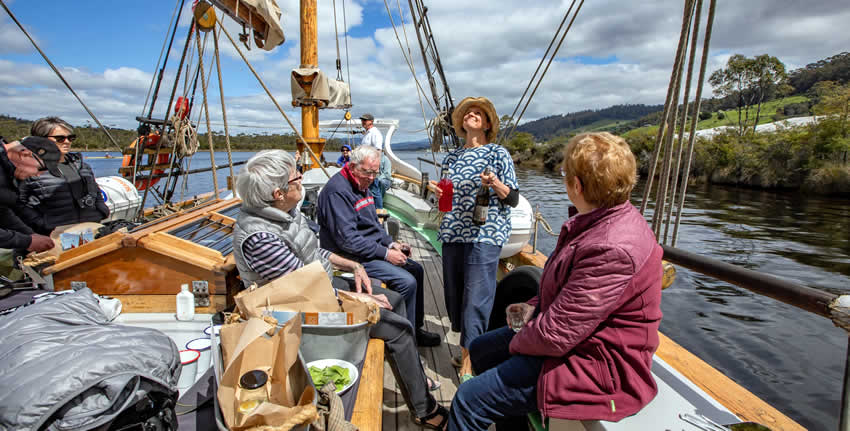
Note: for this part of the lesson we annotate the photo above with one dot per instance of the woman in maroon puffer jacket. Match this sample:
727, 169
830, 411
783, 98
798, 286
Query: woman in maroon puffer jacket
586, 347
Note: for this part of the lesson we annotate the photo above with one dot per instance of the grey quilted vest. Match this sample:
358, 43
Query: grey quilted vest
291, 229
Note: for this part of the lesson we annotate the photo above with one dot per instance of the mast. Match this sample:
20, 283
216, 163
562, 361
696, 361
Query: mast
310, 59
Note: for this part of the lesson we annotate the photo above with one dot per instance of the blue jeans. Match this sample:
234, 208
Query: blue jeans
377, 189
469, 284
406, 280
505, 388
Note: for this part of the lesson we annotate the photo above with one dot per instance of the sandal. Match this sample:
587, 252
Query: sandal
432, 384
440, 411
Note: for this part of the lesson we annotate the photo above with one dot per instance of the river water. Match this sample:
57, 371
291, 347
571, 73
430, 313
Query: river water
789, 358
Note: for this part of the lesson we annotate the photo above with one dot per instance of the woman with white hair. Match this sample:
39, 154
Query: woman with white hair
273, 238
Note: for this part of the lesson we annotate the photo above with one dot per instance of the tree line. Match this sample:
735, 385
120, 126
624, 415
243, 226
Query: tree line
91, 138
812, 158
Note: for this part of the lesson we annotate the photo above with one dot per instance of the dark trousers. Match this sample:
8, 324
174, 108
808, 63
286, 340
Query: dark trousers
505, 389
400, 345
469, 284
406, 280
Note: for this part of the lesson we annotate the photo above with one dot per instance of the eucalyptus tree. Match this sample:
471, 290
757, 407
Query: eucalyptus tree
751, 82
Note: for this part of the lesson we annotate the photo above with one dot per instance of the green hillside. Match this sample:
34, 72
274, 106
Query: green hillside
770, 112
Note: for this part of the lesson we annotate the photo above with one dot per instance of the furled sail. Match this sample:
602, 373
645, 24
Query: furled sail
263, 16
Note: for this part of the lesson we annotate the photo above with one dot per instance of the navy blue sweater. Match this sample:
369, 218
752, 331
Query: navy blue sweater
349, 224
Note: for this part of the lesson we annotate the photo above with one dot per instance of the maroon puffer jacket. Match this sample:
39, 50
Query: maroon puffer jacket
600, 307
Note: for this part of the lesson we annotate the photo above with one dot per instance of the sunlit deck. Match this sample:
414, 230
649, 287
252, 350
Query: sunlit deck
438, 363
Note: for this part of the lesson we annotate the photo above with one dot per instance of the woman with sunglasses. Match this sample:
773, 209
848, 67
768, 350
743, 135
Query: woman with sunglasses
73, 197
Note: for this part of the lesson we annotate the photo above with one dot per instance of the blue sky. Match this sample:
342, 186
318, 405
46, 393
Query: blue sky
108, 50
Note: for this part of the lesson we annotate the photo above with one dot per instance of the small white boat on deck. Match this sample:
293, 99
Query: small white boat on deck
406, 201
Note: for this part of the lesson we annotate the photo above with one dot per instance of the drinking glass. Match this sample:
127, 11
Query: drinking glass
515, 318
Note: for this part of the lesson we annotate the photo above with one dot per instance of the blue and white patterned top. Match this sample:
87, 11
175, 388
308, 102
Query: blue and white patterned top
464, 167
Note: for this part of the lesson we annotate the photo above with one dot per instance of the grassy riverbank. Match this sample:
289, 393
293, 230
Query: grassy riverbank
811, 158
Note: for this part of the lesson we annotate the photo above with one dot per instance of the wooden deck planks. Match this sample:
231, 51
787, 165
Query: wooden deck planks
437, 359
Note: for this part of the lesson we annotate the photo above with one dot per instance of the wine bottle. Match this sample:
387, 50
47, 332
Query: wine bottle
482, 203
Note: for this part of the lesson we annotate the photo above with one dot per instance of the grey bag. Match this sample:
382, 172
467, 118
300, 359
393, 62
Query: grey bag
63, 366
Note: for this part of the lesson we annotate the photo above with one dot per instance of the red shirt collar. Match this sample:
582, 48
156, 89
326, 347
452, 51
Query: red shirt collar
347, 174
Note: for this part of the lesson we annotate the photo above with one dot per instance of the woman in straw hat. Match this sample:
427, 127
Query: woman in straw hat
471, 251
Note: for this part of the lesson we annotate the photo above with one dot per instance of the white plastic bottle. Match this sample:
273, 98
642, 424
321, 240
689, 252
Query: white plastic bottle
185, 303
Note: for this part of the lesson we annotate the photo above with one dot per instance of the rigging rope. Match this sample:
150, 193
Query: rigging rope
347, 67
694, 117
667, 106
534, 75
406, 59
663, 190
207, 111
684, 116
668, 177
223, 110
336, 39
55, 70
554, 53
418, 94
269, 93
177, 6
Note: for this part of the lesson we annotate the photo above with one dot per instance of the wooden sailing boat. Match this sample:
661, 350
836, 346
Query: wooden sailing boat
145, 266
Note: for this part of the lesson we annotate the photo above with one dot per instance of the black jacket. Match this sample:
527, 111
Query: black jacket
14, 233
48, 201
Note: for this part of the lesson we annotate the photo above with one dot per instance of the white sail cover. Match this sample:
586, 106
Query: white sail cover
269, 10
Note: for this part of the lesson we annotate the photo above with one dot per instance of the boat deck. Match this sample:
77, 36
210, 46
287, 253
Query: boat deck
438, 364
686, 384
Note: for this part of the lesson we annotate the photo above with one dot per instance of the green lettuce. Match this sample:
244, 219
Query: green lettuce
336, 374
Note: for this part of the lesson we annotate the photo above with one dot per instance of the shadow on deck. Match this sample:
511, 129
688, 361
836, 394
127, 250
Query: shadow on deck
437, 360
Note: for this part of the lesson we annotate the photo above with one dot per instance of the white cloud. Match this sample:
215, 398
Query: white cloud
487, 48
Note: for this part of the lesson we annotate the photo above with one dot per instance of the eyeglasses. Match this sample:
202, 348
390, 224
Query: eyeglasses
368, 173
298, 178
63, 138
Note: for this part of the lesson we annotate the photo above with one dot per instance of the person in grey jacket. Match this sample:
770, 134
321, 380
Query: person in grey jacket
68, 196
272, 238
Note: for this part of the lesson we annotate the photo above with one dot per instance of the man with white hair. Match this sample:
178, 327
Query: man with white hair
349, 227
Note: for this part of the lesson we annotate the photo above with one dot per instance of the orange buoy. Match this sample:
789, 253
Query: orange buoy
129, 161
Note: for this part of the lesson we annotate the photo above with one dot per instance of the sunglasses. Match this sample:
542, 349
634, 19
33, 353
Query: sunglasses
63, 138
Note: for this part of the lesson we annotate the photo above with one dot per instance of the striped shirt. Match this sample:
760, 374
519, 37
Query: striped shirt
270, 257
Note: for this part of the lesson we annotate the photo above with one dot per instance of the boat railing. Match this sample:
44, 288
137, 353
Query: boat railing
826, 304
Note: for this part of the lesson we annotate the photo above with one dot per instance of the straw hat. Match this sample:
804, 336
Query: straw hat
486, 105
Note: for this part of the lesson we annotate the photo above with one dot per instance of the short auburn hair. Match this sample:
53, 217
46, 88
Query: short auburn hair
604, 164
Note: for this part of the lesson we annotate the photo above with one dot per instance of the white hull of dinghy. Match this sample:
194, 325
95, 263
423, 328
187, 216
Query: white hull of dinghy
422, 213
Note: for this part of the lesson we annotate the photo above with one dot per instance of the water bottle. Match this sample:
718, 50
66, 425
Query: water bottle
446, 197
185, 303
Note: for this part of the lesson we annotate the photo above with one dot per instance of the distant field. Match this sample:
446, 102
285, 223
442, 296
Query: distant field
767, 112
601, 125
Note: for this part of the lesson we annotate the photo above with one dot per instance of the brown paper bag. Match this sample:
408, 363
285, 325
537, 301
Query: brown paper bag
305, 289
248, 346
